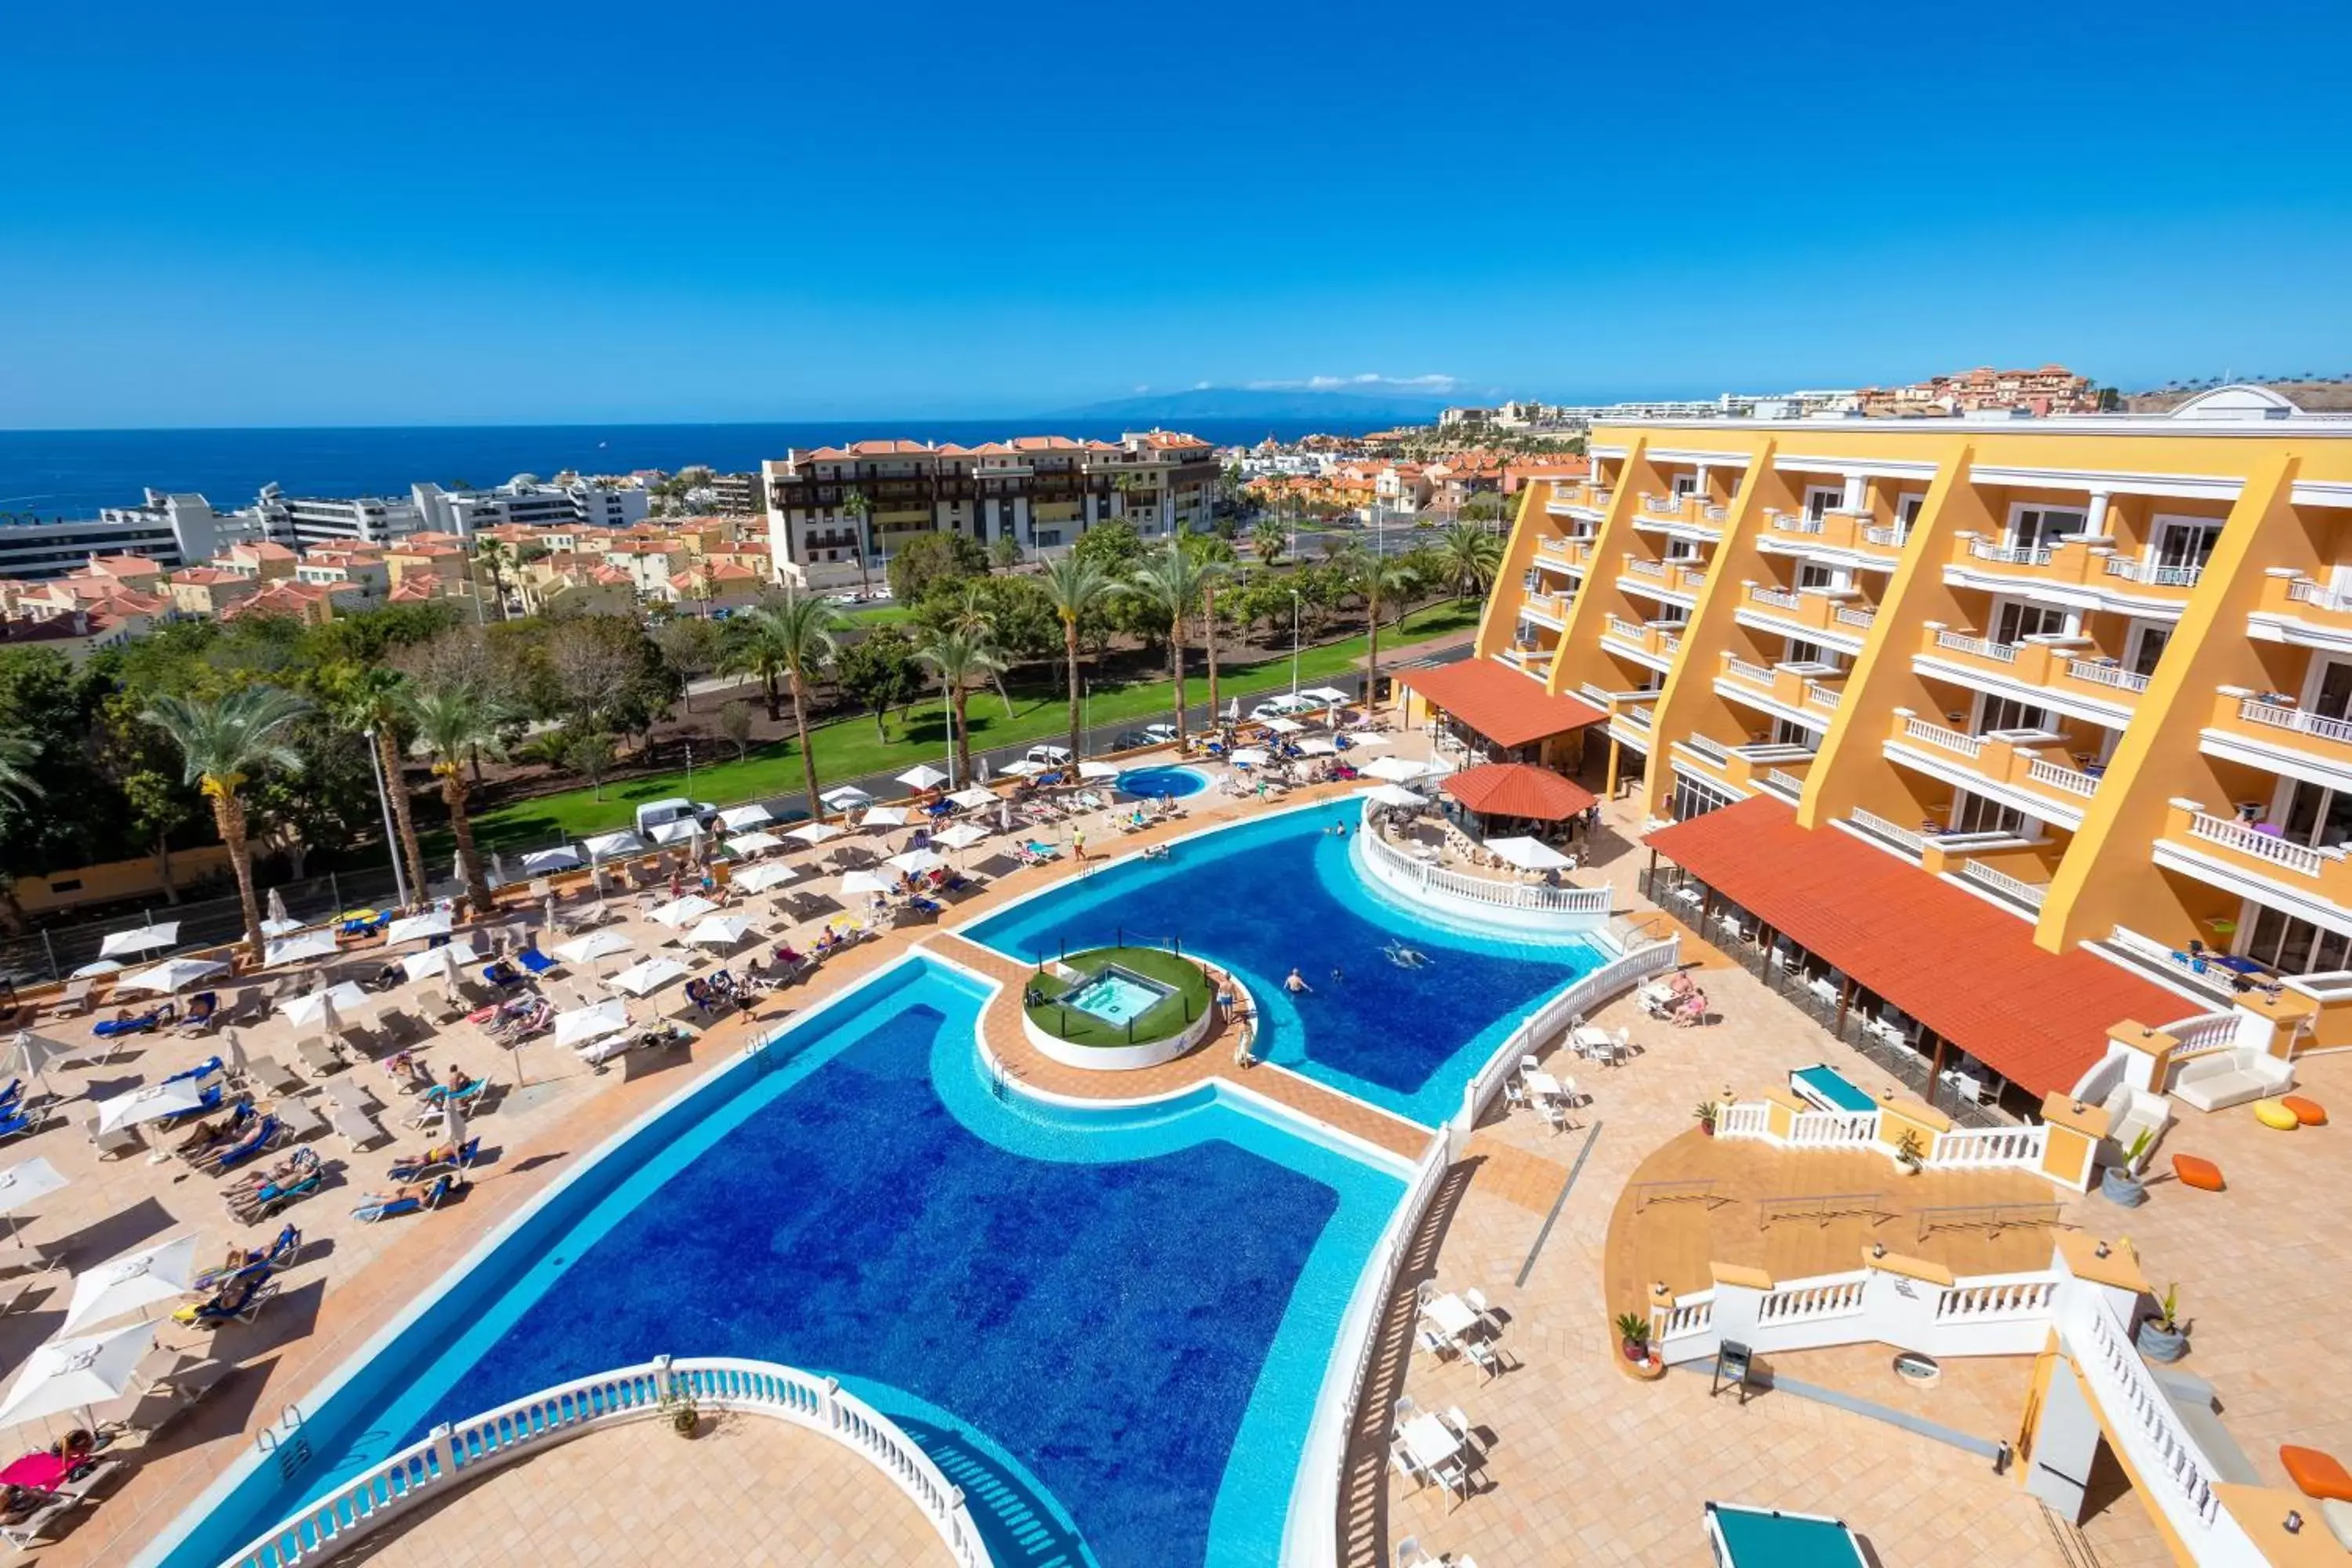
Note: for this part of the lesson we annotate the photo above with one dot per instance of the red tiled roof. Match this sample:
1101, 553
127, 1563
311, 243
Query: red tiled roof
1501, 704
1517, 789
1963, 968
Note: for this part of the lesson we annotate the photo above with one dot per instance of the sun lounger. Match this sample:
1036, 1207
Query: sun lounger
38, 1525
239, 1302
322, 1057
21, 1120
301, 1121
178, 1386
265, 1135
354, 1125
272, 1076
251, 1205
74, 1000
437, 1160
397, 1207
536, 963
116, 1144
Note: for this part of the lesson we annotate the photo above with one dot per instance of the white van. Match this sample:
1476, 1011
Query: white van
657, 812
1050, 756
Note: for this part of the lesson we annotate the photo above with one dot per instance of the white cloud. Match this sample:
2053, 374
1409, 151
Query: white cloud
1142, 387
1367, 380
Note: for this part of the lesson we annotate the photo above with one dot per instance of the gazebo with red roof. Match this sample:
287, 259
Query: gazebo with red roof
1513, 716
1517, 790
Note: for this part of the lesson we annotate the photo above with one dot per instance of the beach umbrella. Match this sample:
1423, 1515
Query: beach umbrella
78, 1374
171, 974
917, 861
885, 816
146, 1103
315, 1007
972, 799
578, 1025
1394, 770
1232, 708
1325, 696
846, 797
681, 914
960, 835
1091, 770
1395, 794
162, 1272
922, 776
735, 819
277, 904
719, 930
1318, 746
596, 944
817, 832
29, 1183
1026, 769
685, 830
102, 966
1527, 853
497, 869
856, 882
606, 846
645, 977
447, 962
232, 1050
563, 858
140, 939
417, 928
1004, 816
295, 949
1371, 738
29, 1056
773, 874
1285, 726
749, 844
279, 928
1249, 757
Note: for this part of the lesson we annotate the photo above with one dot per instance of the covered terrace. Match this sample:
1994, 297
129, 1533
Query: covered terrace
1485, 711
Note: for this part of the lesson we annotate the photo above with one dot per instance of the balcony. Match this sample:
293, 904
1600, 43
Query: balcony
2015, 890
1851, 535
1708, 759
1584, 500
1788, 689
1777, 770
1840, 618
1653, 644
1681, 517
2055, 672
2076, 570
2295, 609
1547, 609
1558, 553
2298, 878
1668, 581
1529, 658
1630, 713
2279, 738
2005, 766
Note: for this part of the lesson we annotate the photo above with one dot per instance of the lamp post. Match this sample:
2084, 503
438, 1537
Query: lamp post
1294, 642
391, 834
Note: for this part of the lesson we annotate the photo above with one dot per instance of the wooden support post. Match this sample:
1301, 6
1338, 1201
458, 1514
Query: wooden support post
1845, 1001
1935, 1069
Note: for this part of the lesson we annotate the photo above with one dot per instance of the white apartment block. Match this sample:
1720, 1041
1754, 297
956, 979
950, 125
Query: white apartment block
525, 500
170, 530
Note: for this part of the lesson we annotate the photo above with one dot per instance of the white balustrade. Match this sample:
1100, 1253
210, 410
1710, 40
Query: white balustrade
1832, 1296
2010, 555
1782, 778
1794, 523
1635, 961
1985, 1148
1833, 1129
1641, 566
1979, 1301
2283, 852
1417, 876
1775, 597
1938, 736
1981, 647
1619, 626
1693, 579
2154, 575
2278, 716
2174, 1473
2205, 1032
1890, 538
1848, 616
2305, 592
1819, 696
2099, 673
1747, 669
1750, 1119
1670, 642
2059, 776
2000, 881
1661, 506
1885, 829
1710, 750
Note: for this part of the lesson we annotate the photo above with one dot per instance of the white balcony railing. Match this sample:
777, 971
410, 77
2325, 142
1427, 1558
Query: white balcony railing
2099, 673
1645, 568
1819, 696
1747, 670
2024, 892
1670, 642
1619, 626
1782, 778
2277, 716
1979, 647
1661, 506
1885, 829
1794, 523
1890, 538
1405, 872
2307, 592
2300, 858
1712, 750
1947, 739
2152, 573
1849, 616
2059, 776
2010, 555
1777, 598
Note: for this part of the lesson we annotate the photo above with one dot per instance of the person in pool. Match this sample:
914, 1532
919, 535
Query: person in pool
1297, 984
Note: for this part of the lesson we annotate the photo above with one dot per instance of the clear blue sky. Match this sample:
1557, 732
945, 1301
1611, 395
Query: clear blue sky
272, 213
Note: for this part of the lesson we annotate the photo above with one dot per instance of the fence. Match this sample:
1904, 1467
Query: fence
1960, 1148
1437, 885
1985, 1216
1580, 996
452, 1455
1819, 1207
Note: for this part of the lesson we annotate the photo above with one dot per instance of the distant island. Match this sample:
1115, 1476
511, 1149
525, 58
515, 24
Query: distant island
1342, 409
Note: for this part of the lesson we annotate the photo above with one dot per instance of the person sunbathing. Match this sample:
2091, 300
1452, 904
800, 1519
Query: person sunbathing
787, 956
259, 1177
227, 1129
400, 1191
501, 973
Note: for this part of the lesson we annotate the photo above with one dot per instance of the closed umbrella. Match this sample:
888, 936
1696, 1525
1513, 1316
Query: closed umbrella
974, 798
171, 974
140, 939
417, 928
313, 1007
295, 949
681, 914
918, 861
446, 961
25, 1184
578, 1025
922, 776
772, 874
78, 1374
162, 1272
147, 1102
719, 930
650, 975
817, 832
735, 819
277, 904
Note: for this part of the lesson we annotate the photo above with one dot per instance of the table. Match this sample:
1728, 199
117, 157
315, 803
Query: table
1590, 1036
1452, 1315
1430, 1442
1542, 1084
1690, 896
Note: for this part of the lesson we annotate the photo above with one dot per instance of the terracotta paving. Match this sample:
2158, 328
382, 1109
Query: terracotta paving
1510, 1173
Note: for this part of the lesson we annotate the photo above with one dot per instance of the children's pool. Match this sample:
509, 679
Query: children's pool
1162, 782
1397, 1007
1110, 1326
1115, 997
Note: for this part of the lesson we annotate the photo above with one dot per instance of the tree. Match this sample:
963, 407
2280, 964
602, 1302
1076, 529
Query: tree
929, 562
1115, 545
1074, 585
878, 672
609, 674
589, 753
1469, 557
1268, 542
1379, 579
861, 510
1171, 584
960, 657
491, 555
223, 744
17, 785
368, 701
691, 646
1217, 554
735, 723
801, 632
452, 723
1003, 553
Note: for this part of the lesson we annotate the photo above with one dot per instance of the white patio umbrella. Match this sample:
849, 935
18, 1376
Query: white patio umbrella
448, 963
78, 1374
1395, 794
566, 859
606, 846
596, 944
1372, 738
171, 974
1394, 770
650, 975
1094, 769
147, 1103
855, 883
280, 928
1026, 769
735, 819
29, 1056
159, 1273
1285, 726
313, 1007
276, 904
719, 930
578, 1025
749, 844
681, 914
92, 970
685, 830
140, 939
771, 874
846, 797
921, 776
960, 835
817, 832
295, 949
972, 799
24, 1184
1527, 853
417, 928
1249, 757
917, 861
885, 816
1318, 746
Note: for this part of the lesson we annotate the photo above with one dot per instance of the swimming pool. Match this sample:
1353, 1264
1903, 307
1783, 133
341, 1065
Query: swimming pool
1281, 893
1165, 783
1115, 995
1108, 1325
1825, 1088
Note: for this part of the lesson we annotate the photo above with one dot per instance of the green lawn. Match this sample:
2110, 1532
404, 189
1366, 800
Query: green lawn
1188, 1001
882, 615
848, 748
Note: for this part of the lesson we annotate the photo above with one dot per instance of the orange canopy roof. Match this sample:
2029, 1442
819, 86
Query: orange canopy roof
1501, 704
1517, 789
1964, 969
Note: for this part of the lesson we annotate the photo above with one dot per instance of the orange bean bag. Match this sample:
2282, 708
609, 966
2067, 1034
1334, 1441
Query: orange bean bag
2318, 1475
2202, 1175
2310, 1113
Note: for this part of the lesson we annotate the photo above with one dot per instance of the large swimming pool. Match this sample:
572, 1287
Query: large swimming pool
1110, 1326
1283, 892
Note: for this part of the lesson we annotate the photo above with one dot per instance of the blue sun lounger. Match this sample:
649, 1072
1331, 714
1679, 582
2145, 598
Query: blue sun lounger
372, 1212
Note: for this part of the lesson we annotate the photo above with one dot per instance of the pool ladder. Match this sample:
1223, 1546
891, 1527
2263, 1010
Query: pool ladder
286, 1439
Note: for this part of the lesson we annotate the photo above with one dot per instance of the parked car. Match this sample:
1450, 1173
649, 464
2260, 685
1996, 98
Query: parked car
1051, 756
657, 812
1150, 735
1283, 707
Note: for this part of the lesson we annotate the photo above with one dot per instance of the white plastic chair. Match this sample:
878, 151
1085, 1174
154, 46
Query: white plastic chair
1477, 1299
1528, 1065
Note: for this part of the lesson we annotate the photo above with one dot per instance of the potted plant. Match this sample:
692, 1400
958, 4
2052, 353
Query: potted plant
1633, 1336
2161, 1336
1909, 1152
2120, 1184
684, 1416
1706, 1112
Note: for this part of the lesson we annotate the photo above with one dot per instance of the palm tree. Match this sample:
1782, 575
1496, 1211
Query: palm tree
1171, 581
754, 647
1381, 580
972, 615
959, 656
453, 722
1469, 556
858, 506
16, 780
372, 702
801, 632
1074, 584
1267, 541
224, 743
1218, 555
493, 556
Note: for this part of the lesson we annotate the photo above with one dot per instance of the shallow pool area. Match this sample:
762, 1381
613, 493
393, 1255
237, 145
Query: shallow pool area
1108, 1325
1164, 783
1115, 995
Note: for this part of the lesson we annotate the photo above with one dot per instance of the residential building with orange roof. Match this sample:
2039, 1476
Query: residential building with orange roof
312, 602
366, 568
77, 634
203, 592
709, 585
265, 561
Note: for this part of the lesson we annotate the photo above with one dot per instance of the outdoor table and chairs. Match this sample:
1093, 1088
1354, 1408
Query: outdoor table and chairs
1435, 1450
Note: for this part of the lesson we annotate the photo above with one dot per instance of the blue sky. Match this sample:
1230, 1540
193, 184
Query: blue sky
298, 214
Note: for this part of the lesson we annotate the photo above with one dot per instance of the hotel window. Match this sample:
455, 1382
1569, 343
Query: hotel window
2149, 648
2182, 543
1975, 814
1906, 508
1811, 575
2289, 946
1820, 498
2038, 528
2316, 816
1789, 732
2001, 713
2328, 693
1685, 485
1693, 798
2015, 621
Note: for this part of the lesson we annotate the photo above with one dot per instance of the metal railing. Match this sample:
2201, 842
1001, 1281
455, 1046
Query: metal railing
2000, 881
2278, 716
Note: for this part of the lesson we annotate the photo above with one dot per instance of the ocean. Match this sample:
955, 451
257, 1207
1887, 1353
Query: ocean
72, 473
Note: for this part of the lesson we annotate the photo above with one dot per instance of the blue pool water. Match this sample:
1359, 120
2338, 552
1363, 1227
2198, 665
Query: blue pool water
1110, 1326
1283, 892
1163, 784
1831, 1086
1115, 995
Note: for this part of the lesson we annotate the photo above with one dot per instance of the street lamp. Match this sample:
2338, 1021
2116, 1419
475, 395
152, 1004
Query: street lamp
391, 834
1294, 642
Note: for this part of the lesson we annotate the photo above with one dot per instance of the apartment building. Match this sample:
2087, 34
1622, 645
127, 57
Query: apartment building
2093, 672
1039, 491
526, 500
171, 529
2053, 389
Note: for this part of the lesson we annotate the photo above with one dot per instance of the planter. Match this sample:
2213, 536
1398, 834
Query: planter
685, 1421
2122, 1188
1634, 1352
1707, 1129
2160, 1345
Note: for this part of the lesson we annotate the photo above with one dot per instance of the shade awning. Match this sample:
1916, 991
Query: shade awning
1963, 968
1517, 789
1499, 702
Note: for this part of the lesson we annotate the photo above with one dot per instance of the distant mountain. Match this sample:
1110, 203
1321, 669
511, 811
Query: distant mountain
1343, 410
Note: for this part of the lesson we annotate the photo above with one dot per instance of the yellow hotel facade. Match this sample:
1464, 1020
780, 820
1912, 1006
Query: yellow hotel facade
2096, 670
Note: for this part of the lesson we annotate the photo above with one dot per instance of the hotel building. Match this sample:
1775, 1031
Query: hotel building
2093, 674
